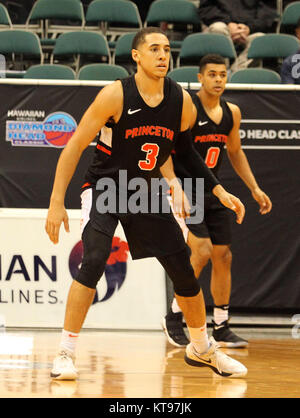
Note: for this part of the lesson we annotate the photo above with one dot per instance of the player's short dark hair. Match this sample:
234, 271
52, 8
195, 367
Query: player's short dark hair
210, 59
141, 35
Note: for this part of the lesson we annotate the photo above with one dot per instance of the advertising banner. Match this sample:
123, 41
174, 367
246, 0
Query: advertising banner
35, 276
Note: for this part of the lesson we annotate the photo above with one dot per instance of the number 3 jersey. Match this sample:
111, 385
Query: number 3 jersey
208, 137
142, 140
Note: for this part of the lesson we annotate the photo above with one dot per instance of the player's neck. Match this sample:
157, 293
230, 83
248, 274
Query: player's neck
208, 100
151, 89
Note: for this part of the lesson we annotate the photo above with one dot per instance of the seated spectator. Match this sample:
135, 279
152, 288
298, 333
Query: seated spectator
290, 70
241, 20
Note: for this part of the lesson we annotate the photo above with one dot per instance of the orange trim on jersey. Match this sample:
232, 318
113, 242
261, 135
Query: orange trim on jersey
211, 138
150, 130
85, 185
107, 151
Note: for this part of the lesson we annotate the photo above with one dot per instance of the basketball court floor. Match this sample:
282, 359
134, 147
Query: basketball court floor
142, 364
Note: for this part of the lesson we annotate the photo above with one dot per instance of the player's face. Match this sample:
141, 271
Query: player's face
213, 79
153, 55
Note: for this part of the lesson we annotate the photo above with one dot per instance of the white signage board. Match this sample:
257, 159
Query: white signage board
35, 276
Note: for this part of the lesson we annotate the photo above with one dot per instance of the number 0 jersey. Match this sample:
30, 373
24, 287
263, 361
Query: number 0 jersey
142, 140
209, 138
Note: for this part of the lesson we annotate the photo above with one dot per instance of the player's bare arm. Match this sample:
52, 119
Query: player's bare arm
227, 199
180, 202
108, 104
240, 162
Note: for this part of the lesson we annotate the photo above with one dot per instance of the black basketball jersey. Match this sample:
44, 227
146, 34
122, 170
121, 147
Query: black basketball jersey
142, 139
209, 138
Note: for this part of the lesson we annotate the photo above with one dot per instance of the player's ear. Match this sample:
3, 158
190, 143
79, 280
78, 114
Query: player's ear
135, 55
199, 76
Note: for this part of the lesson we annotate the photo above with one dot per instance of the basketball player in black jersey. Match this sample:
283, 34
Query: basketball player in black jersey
141, 118
215, 123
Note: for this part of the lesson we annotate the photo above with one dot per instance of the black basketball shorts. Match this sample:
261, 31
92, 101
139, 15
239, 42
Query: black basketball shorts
215, 225
148, 235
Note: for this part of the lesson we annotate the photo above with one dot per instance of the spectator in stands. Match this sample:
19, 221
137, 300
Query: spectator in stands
241, 20
290, 70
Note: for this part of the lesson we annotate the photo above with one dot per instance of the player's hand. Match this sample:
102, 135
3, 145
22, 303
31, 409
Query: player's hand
181, 204
231, 202
265, 204
56, 215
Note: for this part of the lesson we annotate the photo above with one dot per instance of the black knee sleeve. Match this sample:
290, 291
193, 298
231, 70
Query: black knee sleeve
96, 250
180, 271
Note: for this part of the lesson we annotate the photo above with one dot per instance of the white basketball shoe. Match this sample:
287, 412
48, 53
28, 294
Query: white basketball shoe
219, 362
63, 367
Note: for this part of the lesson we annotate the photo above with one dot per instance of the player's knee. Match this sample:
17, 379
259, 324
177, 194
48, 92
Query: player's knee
224, 256
91, 270
96, 250
185, 282
202, 252
180, 271
187, 288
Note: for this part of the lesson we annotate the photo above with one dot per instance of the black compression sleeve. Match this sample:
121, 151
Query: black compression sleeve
195, 164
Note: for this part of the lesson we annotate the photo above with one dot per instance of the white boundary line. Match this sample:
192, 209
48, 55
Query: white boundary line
191, 86
270, 120
277, 147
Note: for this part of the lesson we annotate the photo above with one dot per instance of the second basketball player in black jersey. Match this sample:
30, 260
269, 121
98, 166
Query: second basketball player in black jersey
142, 118
215, 124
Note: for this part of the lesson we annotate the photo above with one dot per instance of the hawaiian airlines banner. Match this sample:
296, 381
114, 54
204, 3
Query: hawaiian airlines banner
35, 276
38, 120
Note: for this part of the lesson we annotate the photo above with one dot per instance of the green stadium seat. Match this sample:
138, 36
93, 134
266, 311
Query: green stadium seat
59, 16
113, 17
290, 17
106, 72
78, 47
122, 52
5, 21
51, 72
185, 74
184, 13
20, 48
256, 76
196, 45
273, 45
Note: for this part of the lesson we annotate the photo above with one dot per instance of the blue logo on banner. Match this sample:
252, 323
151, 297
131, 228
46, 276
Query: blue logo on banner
55, 131
115, 269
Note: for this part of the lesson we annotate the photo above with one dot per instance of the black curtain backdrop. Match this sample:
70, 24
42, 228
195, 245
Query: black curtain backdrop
266, 249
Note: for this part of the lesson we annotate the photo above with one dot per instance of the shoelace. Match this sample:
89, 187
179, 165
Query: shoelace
217, 357
65, 357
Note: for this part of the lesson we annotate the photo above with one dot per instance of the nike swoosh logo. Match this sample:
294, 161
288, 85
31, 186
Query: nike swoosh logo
218, 327
202, 123
131, 112
200, 358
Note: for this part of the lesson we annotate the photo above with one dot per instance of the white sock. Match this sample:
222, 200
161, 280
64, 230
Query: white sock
68, 342
199, 339
175, 307
221, 314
